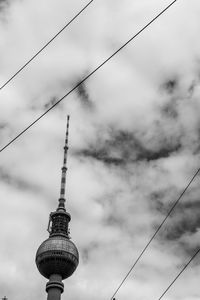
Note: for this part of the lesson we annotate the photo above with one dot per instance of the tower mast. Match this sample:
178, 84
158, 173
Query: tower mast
64, 170
57, 257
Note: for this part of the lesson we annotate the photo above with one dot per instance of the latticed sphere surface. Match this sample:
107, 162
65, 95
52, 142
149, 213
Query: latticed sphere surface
57, 255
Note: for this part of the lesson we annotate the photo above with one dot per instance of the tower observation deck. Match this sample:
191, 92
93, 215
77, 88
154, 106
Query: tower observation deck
57, 257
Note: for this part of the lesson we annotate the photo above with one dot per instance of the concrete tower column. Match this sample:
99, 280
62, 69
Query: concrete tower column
54, 287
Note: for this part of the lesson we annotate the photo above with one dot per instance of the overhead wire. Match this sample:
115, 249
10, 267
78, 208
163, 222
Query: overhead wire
179, 274
88, 76
155, 233
51, 40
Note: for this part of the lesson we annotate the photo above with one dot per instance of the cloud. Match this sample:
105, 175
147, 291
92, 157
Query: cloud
134, 144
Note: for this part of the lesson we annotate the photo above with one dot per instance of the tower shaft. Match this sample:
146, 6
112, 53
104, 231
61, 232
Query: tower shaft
54, 294
54, 287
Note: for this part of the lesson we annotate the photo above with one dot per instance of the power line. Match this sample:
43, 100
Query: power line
156, 232
183, 269
51, 40
88, 76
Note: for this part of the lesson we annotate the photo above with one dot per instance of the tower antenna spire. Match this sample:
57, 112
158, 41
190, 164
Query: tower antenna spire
62, 200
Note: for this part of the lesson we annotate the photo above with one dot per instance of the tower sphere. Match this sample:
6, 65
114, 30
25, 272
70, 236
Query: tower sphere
57, 255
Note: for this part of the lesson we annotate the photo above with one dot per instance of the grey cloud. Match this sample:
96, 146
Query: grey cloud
156, 200
184, 220
3, 4
15, 181
3, 125
86, 251
181, 226
170, 85
123, 147
84, 96
50, 103
170, 110
101, 155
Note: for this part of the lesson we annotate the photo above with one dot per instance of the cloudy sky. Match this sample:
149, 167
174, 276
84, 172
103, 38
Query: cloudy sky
134, 145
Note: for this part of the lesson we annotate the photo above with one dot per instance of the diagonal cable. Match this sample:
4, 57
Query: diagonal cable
88, 76
155, 233
179, 274
51, 40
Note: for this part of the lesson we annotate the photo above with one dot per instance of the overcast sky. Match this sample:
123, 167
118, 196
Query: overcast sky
134, 145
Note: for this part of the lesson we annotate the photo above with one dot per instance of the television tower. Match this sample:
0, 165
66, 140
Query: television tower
57, 257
